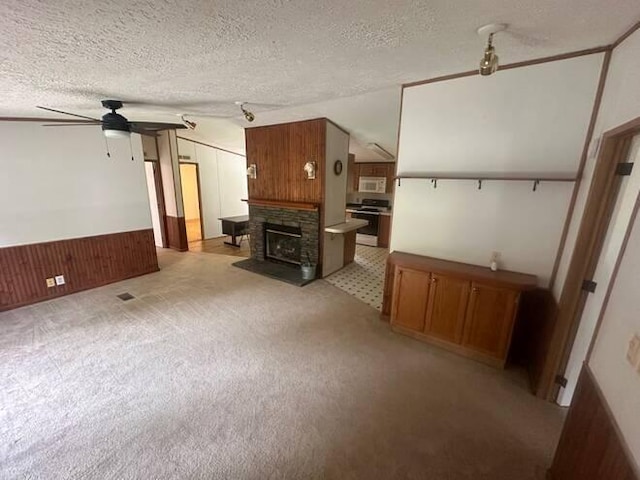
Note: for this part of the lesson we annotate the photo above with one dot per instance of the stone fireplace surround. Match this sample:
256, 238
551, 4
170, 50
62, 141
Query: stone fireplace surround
307, 220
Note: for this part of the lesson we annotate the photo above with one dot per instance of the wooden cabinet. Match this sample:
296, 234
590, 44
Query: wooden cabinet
384, 230
489, 320
411, 293
448, 300
352, 174
464, 308
387, 170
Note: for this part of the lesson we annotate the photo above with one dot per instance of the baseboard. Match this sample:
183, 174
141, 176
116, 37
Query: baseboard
591, 446
86, 263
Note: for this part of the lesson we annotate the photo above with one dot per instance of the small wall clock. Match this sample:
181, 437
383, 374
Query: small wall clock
337, 167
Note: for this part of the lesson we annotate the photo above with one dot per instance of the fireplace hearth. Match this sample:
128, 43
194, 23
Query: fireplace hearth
283, 243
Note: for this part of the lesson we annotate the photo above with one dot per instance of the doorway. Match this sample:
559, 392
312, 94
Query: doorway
190, 181
606, 214
156, 202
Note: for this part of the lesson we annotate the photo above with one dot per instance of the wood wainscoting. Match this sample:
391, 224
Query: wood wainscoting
591, 446
86, 262
177, 233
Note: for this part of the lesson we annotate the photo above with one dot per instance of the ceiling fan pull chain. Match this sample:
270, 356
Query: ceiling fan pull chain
131, 148
106, 144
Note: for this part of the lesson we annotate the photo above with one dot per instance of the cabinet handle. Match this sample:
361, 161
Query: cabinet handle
434, 280
474, 289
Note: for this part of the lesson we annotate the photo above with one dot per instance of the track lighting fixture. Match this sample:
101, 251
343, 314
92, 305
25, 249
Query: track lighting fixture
189, 124
489, 63
247, 114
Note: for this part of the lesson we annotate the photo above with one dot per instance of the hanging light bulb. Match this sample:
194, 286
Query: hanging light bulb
247, 114
489, 62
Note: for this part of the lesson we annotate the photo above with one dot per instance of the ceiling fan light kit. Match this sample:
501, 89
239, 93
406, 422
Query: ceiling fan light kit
490, 61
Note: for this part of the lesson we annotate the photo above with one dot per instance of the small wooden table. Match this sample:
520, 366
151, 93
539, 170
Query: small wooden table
235, 227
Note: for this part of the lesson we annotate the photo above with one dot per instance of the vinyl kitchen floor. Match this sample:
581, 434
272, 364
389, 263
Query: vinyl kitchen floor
364, 278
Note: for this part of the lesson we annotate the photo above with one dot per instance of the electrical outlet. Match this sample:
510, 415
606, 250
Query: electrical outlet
633, 352
51, 282
60, 280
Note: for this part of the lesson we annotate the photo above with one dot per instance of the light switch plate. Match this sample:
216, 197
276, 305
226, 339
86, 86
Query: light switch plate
60, 280
633, 352
51, 282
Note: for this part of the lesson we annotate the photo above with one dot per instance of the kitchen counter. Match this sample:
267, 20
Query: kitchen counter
348, 226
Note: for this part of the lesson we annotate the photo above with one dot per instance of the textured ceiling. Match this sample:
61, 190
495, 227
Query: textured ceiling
201, 56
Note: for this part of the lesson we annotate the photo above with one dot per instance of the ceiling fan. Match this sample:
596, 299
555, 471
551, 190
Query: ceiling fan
113, 124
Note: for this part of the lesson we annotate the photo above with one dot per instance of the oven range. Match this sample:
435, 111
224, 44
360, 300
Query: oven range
370, 211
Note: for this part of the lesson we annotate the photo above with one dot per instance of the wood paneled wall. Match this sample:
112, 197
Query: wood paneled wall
280, 153
591, 446
87, 262
177, 233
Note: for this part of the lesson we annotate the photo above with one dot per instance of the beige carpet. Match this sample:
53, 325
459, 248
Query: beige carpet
213, 372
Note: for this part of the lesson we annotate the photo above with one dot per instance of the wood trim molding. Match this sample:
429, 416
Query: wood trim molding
86, 262
591, 445
526, 63
177, 233
583, 160
281, 204
626, 35
210, 146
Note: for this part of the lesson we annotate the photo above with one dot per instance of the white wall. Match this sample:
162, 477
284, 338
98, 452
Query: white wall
337, 148
519, 121
153, 203
57, 183
620, 104
223, 183
617, 378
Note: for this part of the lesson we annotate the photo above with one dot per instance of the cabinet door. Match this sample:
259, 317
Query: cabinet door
391, 173
410, 295
352, 175
367, 170
489, 321
356, 177
448, 299
384, 231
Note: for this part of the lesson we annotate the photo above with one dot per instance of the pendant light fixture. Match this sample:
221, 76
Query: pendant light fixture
489, 62
250, 117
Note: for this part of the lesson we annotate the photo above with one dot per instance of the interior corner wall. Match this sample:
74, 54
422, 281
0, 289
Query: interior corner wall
223, 183
523, 121
68, 209
335, 197
620, 387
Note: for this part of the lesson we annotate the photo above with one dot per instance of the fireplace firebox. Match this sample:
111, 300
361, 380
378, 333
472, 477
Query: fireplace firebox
283, 243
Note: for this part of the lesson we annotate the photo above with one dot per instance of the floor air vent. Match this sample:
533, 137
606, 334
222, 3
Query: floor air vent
125, 296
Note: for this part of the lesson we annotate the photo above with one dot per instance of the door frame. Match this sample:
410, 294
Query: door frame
180, 162
162, 212
601, 201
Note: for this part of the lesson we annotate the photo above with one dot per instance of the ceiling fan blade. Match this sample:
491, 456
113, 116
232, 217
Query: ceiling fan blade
142, 131
67, 113
79, 124
157, 125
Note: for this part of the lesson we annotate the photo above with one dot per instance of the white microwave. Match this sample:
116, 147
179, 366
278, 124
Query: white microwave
372, 184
